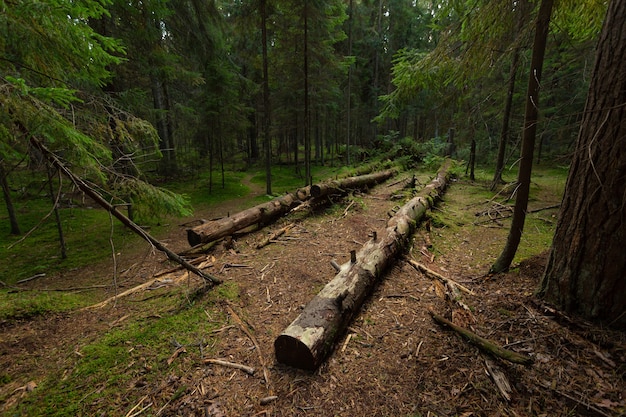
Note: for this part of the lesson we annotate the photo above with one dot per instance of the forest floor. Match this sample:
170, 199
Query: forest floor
394, 360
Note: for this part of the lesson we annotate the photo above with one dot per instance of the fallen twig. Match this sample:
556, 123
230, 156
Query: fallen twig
500, 379
440, 277
274, 235
485, 344
245, 329
140, 287
267, 400
177, 353
133, 413
43, 274
247, 369
345, 212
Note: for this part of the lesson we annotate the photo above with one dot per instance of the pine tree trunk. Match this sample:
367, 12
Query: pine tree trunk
267, 144
268, 212
528, 139
309, 338
6, 191
506, 121
587, 266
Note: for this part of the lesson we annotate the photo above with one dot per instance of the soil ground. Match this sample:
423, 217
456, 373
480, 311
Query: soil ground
394, 360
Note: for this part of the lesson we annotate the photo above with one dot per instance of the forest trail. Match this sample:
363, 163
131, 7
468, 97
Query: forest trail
394, 360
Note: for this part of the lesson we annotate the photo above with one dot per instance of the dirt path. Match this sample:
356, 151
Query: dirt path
393, 360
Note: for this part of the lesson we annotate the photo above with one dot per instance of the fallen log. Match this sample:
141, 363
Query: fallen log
309, 338
262, 213
350, 183
268, 212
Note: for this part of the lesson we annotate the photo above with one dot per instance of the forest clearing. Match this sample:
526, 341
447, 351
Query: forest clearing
172, 348
279, 208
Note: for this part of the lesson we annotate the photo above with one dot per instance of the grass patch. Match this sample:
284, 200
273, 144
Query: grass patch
201, 193
133, 355
22, 304
86, 233
455, 220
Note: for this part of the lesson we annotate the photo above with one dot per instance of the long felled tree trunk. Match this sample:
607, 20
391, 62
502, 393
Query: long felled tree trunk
309, 338
587, 264
267, 212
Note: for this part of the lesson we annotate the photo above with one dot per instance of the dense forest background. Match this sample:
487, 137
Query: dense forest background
162, 89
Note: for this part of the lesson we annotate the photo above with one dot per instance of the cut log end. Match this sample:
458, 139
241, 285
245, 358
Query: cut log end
193, 238
292, 352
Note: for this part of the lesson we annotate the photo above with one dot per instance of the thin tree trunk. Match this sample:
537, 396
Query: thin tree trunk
57, 216
6, 191
506, 121
472, 159
161, 123
266, 102
528, 139
123, 219
349, 110
307, 133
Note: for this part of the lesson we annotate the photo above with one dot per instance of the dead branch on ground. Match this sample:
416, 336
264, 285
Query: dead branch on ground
274, 235
245, 329
247, 369
450, 282
484, 344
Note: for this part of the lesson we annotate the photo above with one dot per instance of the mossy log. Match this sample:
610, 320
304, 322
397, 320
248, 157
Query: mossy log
310, 337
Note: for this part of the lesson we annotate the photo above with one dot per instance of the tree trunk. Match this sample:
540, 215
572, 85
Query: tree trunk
6, 191
350, 183
528, 139
267, 212
263, 213
506, 117
349, 93
159, 96
307, 121
308, 339
586, 267
82, 185
55, 208
472, 160
267, 144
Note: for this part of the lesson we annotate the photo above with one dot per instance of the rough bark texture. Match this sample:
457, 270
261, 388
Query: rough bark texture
309, 338
587, 265
351, 183
267, 212
6, 191
262, 213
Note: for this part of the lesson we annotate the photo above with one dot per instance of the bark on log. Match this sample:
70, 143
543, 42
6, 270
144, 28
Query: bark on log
267, 212
350, 183
309, 338
262, 213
